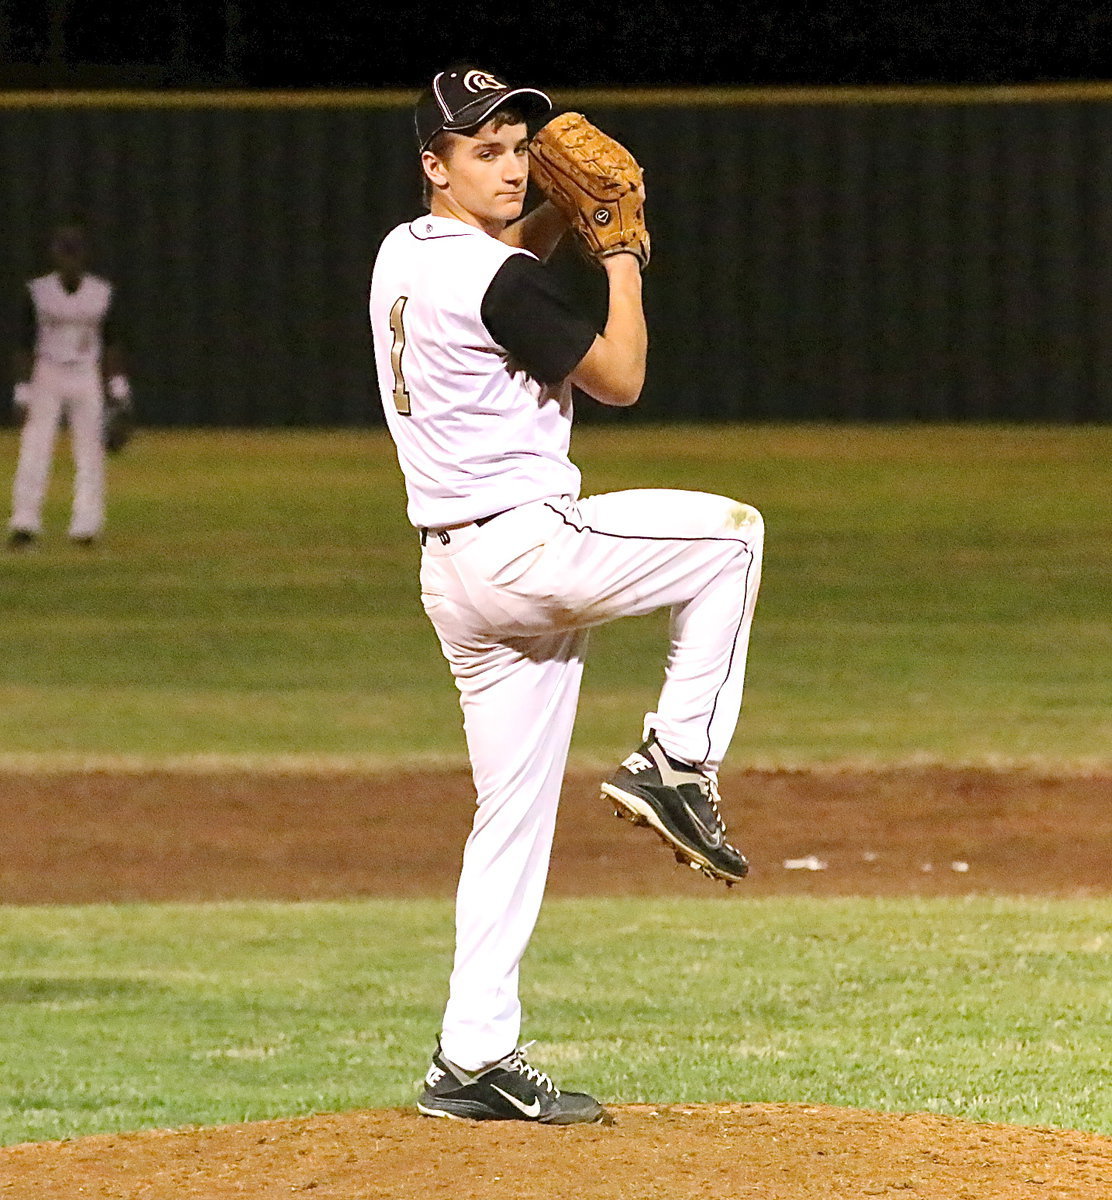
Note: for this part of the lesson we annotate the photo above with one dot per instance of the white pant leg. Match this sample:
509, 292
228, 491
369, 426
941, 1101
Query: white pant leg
36, 452
630, 553
712, 590
518, 732
86, 418
518, 695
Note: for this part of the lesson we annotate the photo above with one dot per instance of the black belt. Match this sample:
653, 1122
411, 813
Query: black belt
442, 534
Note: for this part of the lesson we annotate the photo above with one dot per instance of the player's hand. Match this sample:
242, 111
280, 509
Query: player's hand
118, 389
22, 394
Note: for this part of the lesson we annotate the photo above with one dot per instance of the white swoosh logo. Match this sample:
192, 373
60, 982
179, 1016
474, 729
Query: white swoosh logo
714, 837
532, 1111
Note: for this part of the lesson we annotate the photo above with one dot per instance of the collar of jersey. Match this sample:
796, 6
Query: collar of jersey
428, 227
57, 277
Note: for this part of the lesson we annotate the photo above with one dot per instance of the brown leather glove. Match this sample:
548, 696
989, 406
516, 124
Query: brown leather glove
595, 182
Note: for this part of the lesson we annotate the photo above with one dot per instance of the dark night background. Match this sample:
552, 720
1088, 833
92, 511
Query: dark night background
844, 255
236, 43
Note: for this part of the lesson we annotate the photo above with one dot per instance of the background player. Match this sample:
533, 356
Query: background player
476, 350
69, 356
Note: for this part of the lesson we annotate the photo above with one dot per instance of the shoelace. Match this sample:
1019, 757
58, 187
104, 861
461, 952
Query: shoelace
517, 1063
636, 762
712, 799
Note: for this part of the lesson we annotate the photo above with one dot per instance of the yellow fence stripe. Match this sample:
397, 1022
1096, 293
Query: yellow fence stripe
739, 97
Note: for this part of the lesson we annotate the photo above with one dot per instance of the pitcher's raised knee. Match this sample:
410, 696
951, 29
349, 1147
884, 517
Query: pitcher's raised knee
746, 521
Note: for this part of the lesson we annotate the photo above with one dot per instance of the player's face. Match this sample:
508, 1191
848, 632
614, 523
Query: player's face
68, 251
482, 178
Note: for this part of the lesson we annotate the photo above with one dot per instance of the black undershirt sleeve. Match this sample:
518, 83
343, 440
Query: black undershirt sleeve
525, 311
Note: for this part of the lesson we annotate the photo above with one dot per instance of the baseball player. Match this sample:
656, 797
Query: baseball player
69, 357
477, 351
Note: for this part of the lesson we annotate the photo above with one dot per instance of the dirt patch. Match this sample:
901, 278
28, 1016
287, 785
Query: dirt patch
78, 838
97, 837
736, 1151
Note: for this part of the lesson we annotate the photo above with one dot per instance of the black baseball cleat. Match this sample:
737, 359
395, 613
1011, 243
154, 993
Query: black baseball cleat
508, 1090
680, 803
20, 539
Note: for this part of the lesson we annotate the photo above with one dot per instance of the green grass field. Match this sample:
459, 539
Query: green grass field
931, 594
993, 1009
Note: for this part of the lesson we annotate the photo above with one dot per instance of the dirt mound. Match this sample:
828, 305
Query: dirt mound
762, 1151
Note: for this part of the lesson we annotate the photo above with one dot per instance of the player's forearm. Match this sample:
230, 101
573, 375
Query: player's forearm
539, 232
613, 370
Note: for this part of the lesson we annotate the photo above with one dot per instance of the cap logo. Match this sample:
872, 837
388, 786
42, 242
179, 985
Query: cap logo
482, 81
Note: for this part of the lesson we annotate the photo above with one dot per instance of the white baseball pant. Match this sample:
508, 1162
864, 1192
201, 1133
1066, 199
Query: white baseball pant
78, 393
511, 602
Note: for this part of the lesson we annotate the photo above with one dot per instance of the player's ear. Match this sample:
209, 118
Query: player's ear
433, 166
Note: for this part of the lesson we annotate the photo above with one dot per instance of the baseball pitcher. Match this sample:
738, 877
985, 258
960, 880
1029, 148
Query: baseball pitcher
477, 351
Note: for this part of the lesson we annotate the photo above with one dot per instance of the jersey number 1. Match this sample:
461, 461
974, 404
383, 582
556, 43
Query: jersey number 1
401, 396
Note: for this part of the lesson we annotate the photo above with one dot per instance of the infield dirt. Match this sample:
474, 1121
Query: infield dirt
81, 838
77, 838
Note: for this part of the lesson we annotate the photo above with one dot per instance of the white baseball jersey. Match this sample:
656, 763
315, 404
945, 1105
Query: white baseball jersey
476, 432
70, 325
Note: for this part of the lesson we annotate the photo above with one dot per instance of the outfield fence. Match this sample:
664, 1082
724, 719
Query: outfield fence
839, 254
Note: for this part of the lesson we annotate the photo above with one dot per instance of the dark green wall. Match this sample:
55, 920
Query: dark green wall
886, 259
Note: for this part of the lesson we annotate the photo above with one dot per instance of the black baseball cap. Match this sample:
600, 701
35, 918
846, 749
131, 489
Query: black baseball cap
464, 97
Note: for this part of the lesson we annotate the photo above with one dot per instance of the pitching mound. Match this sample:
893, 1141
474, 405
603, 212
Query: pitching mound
765, 1151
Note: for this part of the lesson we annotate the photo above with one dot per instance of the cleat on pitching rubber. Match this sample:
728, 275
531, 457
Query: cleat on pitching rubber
680, 803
